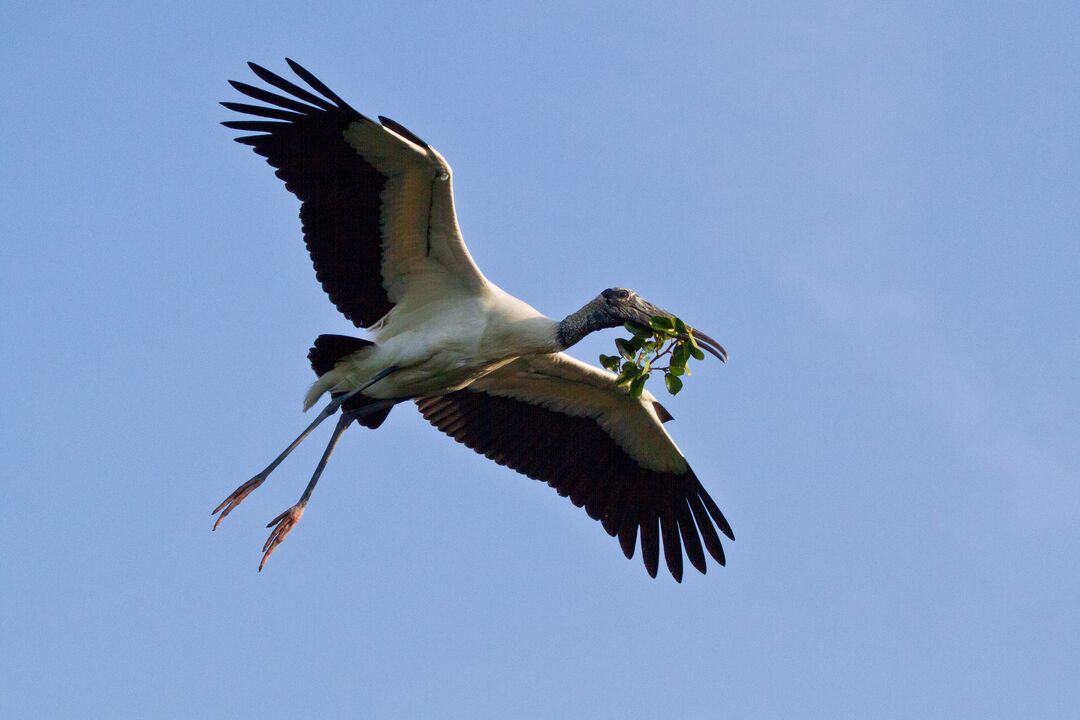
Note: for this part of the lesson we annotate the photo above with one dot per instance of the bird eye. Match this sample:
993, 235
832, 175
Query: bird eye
623, 294
443, 175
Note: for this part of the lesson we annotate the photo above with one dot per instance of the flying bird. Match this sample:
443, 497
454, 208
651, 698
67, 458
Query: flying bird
482, 366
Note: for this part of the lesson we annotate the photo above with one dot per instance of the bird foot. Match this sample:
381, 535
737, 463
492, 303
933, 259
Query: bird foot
282, 525
237, 497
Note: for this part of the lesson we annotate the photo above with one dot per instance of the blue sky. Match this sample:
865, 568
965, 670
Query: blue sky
875, 210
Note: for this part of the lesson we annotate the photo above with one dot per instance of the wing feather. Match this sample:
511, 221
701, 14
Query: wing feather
565, 423
375, 212
260, 111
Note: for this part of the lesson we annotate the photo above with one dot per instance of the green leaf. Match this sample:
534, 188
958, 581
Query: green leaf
637, 385
649, 346
610, 362
625, 348
680, 326
674, 384
661, 324
696, 353
680, 355
677, 370
637, 329
636, 343
629, 372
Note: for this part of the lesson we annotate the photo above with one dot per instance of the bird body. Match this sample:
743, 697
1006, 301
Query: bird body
481, 365
441, 347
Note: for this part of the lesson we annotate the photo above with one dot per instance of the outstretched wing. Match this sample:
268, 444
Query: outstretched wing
564, 422
377, 201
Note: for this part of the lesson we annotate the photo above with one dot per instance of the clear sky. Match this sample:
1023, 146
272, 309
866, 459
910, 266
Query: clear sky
875, 210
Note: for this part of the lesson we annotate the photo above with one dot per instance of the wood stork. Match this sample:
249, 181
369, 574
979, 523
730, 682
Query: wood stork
481, 365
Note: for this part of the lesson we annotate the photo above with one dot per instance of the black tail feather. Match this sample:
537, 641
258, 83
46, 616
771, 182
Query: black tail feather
328, 349
325, 353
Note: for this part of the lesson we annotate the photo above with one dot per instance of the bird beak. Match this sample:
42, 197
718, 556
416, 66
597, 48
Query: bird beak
704, 341
708, 344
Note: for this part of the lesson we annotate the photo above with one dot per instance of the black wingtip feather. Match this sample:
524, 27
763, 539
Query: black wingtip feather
650, 541
266, 96
691, 541
610, 523
717, 516
628, 536
669, 530
316, 84
254, 125
292, 88
260, 111
705, 526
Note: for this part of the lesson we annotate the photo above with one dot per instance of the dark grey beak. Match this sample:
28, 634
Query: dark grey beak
704, 341
708, 344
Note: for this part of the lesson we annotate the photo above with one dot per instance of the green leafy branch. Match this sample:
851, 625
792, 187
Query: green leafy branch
641, 354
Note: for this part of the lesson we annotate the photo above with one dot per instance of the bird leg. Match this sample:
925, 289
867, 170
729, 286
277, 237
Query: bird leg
248, 487
239, 494
287, 520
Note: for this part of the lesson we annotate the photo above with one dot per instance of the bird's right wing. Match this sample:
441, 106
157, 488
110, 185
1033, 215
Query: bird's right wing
565, 423
377, 203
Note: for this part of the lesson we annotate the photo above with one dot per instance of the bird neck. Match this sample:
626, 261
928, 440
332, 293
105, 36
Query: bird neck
594, 316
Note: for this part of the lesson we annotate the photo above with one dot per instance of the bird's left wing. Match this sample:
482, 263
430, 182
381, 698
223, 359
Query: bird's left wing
564, 422
377, 202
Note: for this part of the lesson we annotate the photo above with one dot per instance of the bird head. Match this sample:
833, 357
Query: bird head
624, 305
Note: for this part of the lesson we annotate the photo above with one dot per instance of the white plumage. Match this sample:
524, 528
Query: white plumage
481, 365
